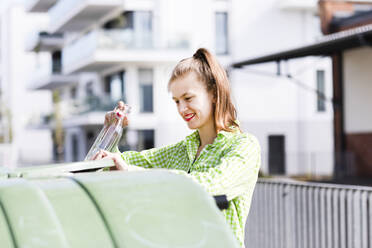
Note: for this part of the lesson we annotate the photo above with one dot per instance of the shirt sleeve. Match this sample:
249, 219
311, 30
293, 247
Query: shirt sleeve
236, 173
151, 158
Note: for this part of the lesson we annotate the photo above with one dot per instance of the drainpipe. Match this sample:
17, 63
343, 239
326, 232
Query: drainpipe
339, 170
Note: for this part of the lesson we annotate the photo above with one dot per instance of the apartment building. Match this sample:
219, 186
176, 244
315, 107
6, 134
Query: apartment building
96, 52
110, 52
278, 102
21, 144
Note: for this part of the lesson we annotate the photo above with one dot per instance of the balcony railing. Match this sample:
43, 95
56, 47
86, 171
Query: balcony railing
101, 39
37, 40
291, 214
56, 66
114, 41
39, 5
48, 76
96, 103
76, 15
88, 104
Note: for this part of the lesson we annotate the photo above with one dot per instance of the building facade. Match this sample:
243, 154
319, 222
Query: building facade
92, 53
279, 102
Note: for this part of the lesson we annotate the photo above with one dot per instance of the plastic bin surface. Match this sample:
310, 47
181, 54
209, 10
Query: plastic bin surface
154, 208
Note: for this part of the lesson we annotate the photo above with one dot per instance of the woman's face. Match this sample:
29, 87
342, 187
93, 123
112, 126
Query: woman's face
194, 102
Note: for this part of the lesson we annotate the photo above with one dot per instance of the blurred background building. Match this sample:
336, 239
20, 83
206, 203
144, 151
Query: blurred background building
347, 41
65, 63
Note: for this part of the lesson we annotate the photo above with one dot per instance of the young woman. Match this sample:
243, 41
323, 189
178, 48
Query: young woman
217, 155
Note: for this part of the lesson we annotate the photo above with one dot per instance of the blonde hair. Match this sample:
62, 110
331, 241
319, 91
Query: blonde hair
209, 71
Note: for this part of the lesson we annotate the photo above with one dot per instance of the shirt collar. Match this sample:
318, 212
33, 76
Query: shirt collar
194, 136
225, 134
222, 135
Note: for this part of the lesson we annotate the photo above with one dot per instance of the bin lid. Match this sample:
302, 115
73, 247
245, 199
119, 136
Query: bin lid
153, 208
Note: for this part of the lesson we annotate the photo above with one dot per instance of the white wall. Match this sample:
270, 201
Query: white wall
17, 69
36, 147
268, 104
358, 90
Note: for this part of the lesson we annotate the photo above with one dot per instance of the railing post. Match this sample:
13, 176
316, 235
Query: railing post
288, 206
336, 217
322, 216
311, 217
329, 229
364, 227
356, 226
343, 219
370, 217
349, 217
281, 215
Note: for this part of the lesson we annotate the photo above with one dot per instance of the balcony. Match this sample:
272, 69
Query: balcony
86, 111
95, 104
39, 5
54, 81
49, 79
77, 15
102, 49
43, 41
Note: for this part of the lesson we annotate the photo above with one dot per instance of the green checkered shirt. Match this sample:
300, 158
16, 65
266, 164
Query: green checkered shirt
228, 167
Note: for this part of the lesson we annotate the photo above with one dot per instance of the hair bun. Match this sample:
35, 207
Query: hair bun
200, 54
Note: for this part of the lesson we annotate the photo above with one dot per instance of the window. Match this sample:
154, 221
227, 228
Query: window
123, 21
137, 140
136, 26
115, 86
320, 86
276, 154
75, 152
221, 33
73, 92
143, 29
89, 89
56, 62
90, 138
145, 77
145, 139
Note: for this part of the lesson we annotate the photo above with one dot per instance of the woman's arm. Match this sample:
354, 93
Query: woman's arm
236, 173
151, 158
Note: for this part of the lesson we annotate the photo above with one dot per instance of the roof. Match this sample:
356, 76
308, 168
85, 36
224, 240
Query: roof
325, 46
357, 19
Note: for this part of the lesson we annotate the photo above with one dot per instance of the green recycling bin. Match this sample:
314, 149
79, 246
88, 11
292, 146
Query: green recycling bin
51, 207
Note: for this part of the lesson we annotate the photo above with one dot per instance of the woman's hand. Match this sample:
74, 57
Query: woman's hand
116, 157
110, 116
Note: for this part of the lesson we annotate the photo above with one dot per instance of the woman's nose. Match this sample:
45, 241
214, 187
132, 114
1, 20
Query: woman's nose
182, 107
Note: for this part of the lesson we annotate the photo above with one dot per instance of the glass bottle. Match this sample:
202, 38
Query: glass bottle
110, 134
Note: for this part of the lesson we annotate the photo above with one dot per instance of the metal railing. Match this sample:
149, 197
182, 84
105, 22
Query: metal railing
86, 105
115, 40
294, 214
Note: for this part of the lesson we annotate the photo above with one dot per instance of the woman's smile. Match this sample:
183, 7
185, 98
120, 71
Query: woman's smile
188, 117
